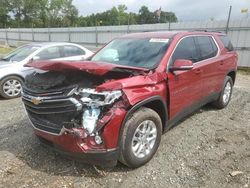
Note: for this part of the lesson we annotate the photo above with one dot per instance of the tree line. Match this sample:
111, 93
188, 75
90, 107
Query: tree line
62, 13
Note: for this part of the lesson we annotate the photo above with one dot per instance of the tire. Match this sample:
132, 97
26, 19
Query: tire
225, 94
10, 87
130, 154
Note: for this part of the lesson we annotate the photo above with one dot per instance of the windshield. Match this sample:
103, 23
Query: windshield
144, 53
20, 53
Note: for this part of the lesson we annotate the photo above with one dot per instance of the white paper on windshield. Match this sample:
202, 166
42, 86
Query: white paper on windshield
159, 40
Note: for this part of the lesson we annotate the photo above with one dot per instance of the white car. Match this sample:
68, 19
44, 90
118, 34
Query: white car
13, 72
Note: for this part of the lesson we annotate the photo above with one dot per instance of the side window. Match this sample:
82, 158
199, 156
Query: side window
72, 51
207, 47
186, 49
49, 53
227, 43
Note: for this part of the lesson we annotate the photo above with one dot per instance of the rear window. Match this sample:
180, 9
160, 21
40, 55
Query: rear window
227, 43
72, 51
207, 47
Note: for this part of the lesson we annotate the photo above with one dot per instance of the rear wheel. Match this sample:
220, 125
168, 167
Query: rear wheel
225, 94
140, 137
11, 87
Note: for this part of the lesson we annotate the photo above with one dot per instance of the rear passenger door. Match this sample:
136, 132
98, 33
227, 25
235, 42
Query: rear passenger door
209, 64
50, 53
73, 53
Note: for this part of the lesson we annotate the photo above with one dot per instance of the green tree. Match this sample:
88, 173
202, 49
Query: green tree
70, 14
62, 13
4, 13
145, 16
122, 15
167, 17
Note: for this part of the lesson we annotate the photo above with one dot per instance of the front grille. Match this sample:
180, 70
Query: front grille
55, 107
58, 93
51, 112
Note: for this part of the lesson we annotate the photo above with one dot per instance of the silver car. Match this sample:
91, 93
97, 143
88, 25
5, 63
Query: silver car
13, 72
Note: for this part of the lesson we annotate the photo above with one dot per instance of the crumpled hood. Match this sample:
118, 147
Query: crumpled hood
132, 82
96, 68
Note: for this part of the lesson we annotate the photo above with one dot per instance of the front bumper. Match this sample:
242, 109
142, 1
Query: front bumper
52, 117
76, 144
106, 158
72, 147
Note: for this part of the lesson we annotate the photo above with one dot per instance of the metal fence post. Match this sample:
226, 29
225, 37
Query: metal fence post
6, 36
19, 34
228, 18
96, 36
33, 37
69, 32
49, 34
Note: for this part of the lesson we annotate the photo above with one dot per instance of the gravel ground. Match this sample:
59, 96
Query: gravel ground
205, 150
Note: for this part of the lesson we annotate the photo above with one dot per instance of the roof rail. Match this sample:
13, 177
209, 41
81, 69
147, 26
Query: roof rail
205, 30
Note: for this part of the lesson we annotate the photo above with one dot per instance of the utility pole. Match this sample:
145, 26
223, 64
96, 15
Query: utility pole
228, 18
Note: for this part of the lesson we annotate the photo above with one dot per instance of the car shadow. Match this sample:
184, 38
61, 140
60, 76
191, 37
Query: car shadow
25, 146
207, 107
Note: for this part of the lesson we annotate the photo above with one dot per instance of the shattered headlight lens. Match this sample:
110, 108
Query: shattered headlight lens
89, 119
93, 101
90, 97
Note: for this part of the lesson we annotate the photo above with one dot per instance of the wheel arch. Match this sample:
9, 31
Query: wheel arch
155, 103
9, 75
232, 74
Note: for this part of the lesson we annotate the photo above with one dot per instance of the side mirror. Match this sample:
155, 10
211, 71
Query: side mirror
182, 65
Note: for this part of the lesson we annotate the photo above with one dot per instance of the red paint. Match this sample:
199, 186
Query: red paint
179, 90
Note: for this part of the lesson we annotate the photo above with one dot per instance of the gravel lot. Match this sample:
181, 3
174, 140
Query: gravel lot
201, 151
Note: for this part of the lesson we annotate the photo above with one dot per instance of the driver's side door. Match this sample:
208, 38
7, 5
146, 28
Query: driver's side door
185, 87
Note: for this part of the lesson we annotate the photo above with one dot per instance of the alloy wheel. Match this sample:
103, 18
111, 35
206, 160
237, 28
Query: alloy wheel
12, 88
227, 93
144, 139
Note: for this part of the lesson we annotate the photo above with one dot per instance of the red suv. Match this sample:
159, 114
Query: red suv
116, 105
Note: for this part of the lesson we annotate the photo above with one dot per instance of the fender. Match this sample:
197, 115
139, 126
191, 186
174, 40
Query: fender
144, 103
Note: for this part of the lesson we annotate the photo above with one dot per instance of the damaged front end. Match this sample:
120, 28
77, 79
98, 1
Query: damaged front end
67, 112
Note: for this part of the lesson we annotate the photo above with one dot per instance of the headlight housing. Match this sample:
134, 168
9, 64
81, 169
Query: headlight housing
90, 97
93, 101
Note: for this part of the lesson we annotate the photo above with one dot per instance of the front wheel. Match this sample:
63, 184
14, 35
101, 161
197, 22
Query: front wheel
141, 137
11, 87
225, 94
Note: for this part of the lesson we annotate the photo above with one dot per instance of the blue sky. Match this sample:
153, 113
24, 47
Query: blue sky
186, 10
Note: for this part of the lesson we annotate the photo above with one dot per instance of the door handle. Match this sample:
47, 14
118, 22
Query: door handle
198, 71
222, 63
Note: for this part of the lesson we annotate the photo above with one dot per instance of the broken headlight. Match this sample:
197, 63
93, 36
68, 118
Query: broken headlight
89, 118
94, 101
90, 97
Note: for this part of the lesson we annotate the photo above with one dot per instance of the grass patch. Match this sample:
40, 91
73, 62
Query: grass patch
244, 71
5, 50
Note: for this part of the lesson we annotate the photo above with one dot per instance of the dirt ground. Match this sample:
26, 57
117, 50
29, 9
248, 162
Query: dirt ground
201, 151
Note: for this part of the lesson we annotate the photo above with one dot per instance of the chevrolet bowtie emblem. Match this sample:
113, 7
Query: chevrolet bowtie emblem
36, 101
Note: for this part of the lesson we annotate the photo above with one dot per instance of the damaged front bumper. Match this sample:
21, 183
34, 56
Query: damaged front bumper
57, 120
73, 147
